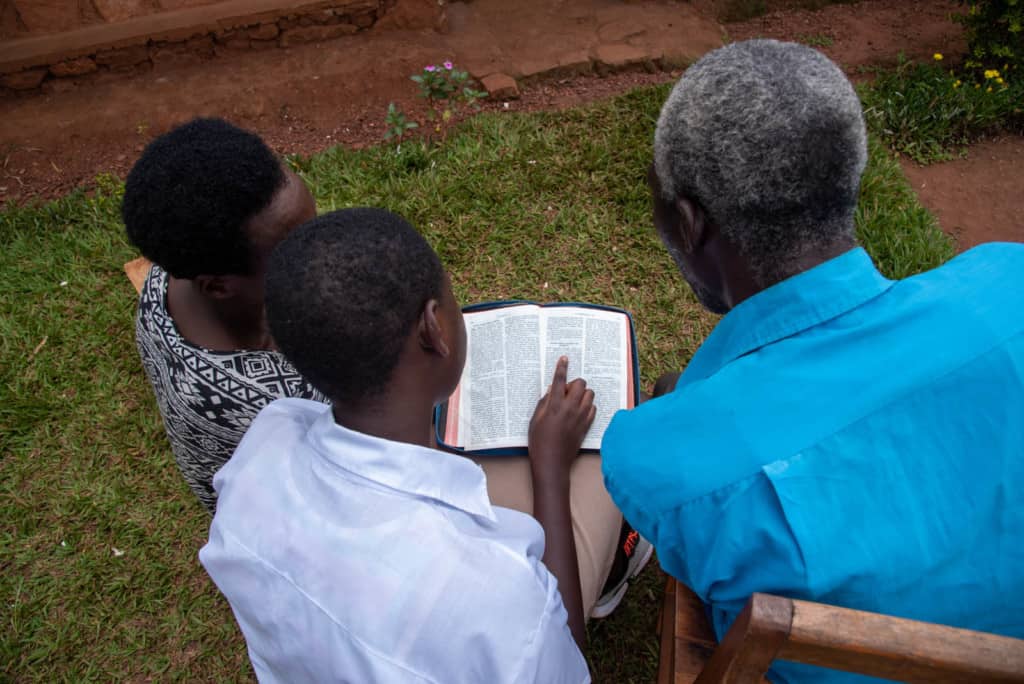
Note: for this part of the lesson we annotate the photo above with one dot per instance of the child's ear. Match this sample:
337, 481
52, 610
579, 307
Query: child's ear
430, 331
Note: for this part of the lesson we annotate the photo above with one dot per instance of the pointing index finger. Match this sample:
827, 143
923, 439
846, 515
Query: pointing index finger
561, 371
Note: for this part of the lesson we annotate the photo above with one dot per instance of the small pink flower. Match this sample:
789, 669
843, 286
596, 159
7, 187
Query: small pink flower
448, 66
429, 67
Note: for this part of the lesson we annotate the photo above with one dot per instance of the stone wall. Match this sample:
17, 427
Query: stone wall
22, 18
122, 37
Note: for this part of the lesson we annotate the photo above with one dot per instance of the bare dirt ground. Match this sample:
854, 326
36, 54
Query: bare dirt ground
979, 198
305, 98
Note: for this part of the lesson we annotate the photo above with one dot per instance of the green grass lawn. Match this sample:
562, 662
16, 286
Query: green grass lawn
99, 577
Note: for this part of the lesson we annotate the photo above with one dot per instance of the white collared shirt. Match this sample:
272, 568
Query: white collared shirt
350, 558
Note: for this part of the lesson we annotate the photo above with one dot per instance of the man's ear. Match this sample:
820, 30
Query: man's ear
216, 286
430, 331
692, 228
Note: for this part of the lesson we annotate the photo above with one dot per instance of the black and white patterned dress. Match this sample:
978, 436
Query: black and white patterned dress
207, 398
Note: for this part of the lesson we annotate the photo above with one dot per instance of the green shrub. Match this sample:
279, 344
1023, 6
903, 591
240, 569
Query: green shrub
929, 113
995, 34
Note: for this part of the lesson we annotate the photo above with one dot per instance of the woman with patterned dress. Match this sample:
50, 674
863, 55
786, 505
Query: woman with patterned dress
206, 203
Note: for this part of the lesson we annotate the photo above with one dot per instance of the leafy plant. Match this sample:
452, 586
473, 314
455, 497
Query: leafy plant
445, 88
927, 112
995, 34
397, 123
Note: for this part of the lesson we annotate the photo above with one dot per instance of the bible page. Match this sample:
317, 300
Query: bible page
597, 344
500, 383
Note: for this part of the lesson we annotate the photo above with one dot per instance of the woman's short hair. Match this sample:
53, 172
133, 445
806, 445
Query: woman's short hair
190, 195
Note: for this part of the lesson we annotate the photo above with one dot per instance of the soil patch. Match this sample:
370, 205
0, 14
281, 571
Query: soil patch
978, 198
306, 98
865, 34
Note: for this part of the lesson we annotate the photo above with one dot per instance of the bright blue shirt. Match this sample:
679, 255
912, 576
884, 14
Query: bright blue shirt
845, 438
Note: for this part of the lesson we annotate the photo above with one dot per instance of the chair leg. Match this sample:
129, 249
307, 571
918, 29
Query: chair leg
666, 631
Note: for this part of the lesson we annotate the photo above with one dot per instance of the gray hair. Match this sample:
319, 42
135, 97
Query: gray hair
769, 139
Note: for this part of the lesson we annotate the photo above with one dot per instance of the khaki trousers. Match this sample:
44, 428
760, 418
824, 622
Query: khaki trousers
596, 521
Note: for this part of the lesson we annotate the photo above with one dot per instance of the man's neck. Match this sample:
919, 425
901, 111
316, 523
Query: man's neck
747, 285
214, 324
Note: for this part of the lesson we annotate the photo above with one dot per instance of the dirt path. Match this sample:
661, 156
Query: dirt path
979, 198
305, 98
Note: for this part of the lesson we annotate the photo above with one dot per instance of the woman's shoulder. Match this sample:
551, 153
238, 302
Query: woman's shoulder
153, 295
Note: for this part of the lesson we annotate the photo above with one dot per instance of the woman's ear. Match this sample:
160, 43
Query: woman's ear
430, 331
219, 286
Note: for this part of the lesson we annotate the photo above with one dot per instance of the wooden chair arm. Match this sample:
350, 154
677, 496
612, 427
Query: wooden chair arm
901, 649
771, 627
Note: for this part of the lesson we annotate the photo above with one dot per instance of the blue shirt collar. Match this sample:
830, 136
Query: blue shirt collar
786, 308
447, 478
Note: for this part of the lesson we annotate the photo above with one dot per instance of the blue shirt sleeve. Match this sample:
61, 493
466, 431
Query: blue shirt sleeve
725, 543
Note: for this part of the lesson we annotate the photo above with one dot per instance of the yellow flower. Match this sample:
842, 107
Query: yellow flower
977, 85
999, 80
991, 73
957, 84
988, 90
937, 56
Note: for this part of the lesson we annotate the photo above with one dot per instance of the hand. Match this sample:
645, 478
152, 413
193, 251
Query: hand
557, 429
559, 424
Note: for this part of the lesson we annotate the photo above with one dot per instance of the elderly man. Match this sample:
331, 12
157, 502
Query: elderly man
839, 437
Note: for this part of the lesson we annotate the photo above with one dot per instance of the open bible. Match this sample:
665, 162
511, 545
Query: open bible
510, 360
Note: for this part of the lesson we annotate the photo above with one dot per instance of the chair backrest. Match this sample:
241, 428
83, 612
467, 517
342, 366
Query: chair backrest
771, 627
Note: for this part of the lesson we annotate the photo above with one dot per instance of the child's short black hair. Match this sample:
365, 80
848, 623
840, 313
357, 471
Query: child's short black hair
188, 198
343, 293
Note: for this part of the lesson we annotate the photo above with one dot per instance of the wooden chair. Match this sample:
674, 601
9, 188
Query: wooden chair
772, 627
